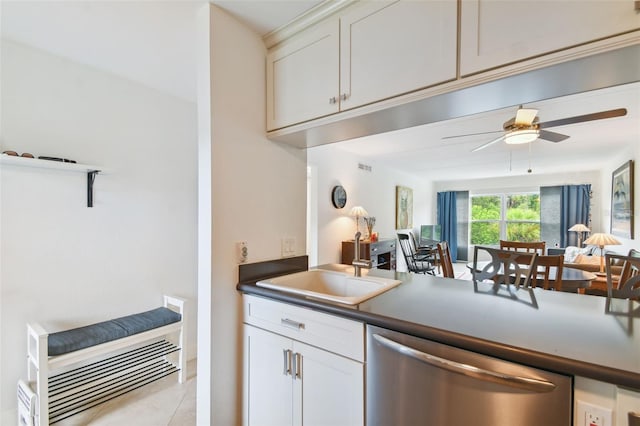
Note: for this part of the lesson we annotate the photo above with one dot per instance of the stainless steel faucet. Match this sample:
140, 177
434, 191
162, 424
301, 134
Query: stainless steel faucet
358, 263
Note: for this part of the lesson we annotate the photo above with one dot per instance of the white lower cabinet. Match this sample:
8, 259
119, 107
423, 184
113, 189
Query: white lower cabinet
288, 382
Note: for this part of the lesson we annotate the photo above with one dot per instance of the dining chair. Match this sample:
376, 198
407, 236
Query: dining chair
444, 255
542, 269
415, 263
527, 247
506, 267
627, 285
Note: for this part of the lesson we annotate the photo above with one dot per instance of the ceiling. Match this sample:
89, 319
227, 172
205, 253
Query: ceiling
422, 151
153, 43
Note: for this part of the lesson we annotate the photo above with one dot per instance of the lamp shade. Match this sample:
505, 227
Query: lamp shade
601, 240
579, 227
358, 211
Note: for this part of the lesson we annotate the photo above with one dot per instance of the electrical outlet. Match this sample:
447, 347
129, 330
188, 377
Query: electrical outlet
593, 415
242, 251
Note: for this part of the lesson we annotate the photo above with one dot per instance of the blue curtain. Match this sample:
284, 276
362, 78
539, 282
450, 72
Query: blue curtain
574, 208
447, 219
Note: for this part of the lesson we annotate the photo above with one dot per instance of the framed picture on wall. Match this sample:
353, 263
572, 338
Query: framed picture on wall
404, 207
622, 201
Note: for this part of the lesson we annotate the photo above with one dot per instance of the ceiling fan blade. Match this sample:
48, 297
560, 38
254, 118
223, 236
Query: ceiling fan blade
552, 136
472, 134
525, 116
487, 144
620, 112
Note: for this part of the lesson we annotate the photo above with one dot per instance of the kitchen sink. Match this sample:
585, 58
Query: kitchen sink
330, 285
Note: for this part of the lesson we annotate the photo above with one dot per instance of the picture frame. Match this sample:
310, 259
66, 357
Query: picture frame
404, 207
622, 189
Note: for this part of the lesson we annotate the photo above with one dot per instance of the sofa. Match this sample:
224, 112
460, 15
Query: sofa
586, 259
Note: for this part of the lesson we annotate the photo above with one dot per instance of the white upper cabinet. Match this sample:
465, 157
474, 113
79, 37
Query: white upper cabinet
374, 50
496, 33
302, 76
391, 48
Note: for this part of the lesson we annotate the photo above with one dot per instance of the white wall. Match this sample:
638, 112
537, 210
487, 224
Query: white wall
64, 264
257, 191
375, 191
604, 209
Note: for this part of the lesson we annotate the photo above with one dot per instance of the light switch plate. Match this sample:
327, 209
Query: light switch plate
288, 246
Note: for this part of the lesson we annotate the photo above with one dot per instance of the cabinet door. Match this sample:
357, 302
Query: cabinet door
302, 76
268, 391
390, 48
330, 389
495, 33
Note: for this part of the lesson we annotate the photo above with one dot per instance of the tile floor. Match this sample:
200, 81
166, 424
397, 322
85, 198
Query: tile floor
460, 270
162, 403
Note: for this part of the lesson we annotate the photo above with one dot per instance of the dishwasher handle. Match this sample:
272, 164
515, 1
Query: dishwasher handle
527, 383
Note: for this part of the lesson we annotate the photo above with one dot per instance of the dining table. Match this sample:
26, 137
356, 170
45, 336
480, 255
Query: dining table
573, 280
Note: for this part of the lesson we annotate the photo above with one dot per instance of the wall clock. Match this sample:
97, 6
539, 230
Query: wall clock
338, 197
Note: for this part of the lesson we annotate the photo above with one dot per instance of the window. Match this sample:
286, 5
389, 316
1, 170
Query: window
513, 217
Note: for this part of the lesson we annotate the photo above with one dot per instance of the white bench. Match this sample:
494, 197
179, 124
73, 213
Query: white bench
99, 362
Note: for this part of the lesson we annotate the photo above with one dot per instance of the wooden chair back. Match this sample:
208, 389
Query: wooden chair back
542, 272
627, 286
444, 255
530, 247
505, 267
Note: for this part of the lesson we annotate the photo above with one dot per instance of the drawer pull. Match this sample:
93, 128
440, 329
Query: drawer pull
292, 324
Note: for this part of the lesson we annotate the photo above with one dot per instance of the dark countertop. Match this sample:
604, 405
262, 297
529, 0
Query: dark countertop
562, 332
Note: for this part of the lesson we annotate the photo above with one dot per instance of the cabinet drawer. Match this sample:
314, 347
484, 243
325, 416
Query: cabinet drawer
329, 332
383, 246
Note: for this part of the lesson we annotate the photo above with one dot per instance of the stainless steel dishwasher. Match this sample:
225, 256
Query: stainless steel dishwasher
412, 381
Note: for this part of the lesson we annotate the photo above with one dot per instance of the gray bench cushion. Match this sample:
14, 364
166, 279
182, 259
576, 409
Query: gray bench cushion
83, 337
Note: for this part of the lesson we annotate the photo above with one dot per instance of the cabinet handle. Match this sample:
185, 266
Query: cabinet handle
286, 355
332, 100
292, 324
297, 365
344, 97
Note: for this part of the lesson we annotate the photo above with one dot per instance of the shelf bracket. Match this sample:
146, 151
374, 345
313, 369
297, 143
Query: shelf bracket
91, 176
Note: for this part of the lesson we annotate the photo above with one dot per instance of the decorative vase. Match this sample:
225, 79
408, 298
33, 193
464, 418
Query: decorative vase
370, 221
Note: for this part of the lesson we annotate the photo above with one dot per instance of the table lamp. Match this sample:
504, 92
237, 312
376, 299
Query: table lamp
601, 240
579, 228
358, 211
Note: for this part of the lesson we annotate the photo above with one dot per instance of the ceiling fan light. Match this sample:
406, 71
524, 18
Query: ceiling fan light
521, 136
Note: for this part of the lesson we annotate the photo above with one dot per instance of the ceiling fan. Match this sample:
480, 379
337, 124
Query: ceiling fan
525, 127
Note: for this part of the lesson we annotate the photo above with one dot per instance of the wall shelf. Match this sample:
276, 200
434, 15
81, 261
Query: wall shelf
91, 171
